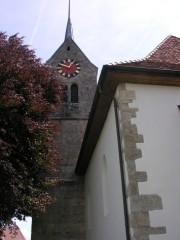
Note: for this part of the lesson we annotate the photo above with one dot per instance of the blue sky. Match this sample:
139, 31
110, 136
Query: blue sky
107, 31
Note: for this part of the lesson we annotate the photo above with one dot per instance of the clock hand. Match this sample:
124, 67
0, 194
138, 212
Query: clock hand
71, 63
63, 65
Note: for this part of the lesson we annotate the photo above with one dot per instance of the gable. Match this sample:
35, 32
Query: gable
69, 49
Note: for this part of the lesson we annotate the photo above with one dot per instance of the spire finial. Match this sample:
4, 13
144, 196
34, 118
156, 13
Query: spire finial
69, 25
69, 9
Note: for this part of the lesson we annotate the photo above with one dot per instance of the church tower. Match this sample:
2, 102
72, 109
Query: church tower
65, 218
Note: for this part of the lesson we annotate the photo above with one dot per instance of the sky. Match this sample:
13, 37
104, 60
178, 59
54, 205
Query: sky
107, 31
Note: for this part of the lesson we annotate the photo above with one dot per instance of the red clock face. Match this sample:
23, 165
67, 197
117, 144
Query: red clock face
69, 68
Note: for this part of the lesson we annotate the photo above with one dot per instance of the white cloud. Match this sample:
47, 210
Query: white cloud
40, 12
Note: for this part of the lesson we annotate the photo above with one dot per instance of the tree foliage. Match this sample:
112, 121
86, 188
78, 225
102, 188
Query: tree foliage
29, 93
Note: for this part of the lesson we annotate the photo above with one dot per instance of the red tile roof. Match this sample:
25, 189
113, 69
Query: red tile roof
9, 236
165, 56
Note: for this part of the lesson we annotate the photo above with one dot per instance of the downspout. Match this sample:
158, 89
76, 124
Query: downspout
126, 218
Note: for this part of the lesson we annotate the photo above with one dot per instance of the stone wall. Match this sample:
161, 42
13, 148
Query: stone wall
139, 205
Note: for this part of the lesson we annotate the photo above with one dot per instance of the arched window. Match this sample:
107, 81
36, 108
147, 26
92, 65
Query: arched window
74, 93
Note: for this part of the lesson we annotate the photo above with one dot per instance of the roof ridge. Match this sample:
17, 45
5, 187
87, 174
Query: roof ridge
157, 47
167, 52
144, 58
127, 61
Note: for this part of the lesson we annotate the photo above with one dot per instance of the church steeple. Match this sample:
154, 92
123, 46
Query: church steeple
78, 75
69, 33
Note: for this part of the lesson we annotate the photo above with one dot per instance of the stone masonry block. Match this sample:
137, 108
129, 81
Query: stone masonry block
132, 154
139, 220
127, 94
138, 177
157, 230
149, 231
126, 109
131, 167
121, 86
125, 125
123, 106
144, 203
132, 189
127, 115
135, 138
129, 145
130, 129
144, 237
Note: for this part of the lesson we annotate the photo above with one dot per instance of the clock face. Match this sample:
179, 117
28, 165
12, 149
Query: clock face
69, 68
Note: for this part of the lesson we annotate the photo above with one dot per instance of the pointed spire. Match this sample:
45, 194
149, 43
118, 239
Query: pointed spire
69, 26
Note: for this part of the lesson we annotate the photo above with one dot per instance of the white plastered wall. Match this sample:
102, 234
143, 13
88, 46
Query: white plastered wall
104, 204
158, 119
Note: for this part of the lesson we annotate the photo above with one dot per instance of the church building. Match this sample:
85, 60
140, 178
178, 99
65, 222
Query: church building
119, 148
130, 155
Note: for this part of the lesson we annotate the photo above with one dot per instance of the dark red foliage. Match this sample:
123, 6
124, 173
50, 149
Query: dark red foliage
29, 93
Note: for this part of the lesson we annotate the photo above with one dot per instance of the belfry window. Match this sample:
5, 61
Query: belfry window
74, 93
